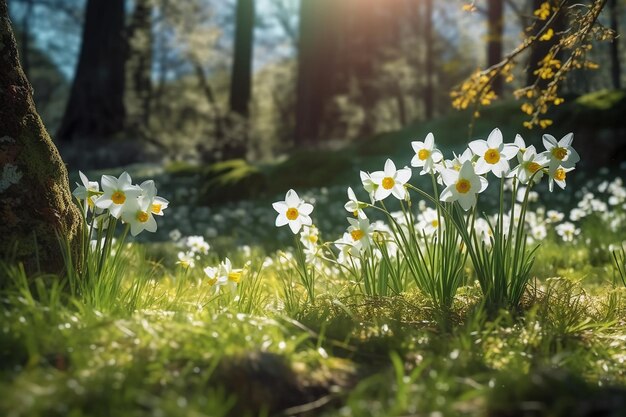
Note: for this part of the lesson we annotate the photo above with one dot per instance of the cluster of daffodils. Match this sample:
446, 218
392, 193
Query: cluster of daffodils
420, 246
120, 199
195, 250
463, 178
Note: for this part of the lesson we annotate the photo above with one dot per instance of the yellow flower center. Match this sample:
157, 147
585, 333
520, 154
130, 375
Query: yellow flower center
234, 277
388, 183
155, 208
313, 238
292, 213
492, 156
357, 234
534, 167
434, 223
118, 197
423, 154
212, 281
355, 213
560, 174
142, 216
463, 186
559, 153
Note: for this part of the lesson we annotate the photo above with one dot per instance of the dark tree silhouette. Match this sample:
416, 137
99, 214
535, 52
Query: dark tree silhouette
495, 28
35, 200
317, 59
615, 59
429, 102
241, 79
95, 108
139, 66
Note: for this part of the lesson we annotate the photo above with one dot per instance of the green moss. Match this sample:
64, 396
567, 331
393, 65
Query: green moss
601, 100
182, 169
305, 169
231, 180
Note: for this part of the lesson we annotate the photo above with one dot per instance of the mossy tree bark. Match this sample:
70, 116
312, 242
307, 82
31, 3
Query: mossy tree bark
35, 200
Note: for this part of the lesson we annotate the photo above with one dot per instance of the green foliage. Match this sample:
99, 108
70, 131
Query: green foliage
237, 179
619, 258
232, 180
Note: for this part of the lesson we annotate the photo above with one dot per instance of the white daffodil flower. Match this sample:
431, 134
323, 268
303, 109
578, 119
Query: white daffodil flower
428, 222
530, 163
309, 236
186, 260
368, 185
462, 186
567, 231
212, 274
345, 246
354, 206
149, 191
118, 193
196, 245
455, 163
227, 276
361, 235
137, 214
391, 181
520, 143
561, 152
493, 154
293, 211
557, 175
426, 155
87, 192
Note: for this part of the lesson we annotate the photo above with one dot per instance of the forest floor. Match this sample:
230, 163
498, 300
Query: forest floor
151, 336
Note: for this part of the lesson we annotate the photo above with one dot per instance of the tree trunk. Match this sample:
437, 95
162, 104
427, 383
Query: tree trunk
429, 104
316, 67
95, 108
140, 66
35, 200
616, 71
495, 22
241, 79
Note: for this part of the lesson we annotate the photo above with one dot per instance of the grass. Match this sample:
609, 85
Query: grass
185, 351
145, 336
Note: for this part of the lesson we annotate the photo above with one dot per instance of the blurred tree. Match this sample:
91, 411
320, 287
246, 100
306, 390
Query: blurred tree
356, 37
96, 108
429, 104
241, 76
317, 66
36, 204
616, 71
495, 29
139, 67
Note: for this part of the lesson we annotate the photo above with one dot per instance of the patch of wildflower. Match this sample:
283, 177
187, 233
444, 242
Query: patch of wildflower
105, 204
383, 256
